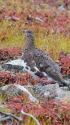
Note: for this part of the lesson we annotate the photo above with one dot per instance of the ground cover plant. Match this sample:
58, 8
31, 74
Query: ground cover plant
50, 21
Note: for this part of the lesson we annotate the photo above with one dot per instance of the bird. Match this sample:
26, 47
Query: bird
36, 62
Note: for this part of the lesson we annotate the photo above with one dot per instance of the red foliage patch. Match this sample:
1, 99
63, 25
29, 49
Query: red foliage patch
64, 62
16, 103
56, 113
8, 78
6, 54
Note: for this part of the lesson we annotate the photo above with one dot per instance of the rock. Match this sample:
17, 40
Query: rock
61, 8
49, 92
7, 17
36, 18
46, 93
12, 90
15, 18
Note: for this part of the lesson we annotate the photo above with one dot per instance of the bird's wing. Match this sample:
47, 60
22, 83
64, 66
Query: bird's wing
31, 67
44, 61
45, 64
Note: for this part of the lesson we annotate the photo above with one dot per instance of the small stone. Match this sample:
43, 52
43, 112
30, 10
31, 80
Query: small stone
7, 17
46, 93
61, 8
15, 18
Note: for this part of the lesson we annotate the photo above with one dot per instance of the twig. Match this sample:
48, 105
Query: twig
20, 119
10, 115
23, 113
5, 118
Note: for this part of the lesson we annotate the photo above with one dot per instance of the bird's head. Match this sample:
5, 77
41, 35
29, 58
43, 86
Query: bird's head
29, 38
28, 33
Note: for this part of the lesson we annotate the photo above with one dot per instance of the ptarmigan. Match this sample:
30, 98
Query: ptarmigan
36, 62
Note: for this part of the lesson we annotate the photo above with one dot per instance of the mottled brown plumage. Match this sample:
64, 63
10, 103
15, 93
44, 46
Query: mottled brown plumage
34, 57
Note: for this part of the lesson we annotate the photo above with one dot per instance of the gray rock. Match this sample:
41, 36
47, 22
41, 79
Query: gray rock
61, 8
12, 90
49, 92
